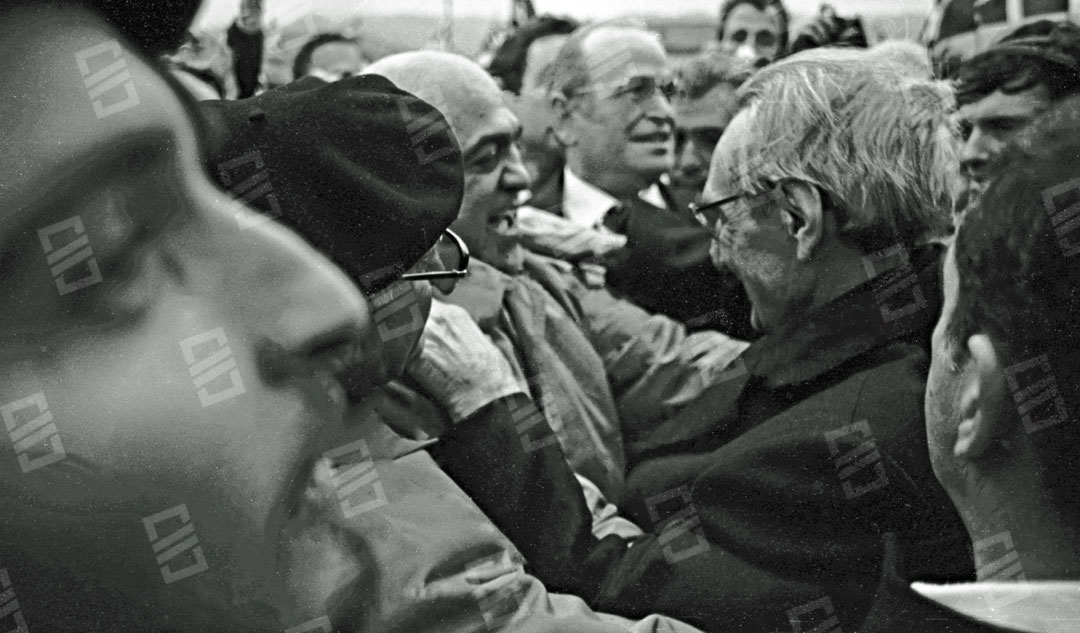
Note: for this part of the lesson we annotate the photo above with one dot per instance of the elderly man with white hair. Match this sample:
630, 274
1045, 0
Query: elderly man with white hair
765, 497
824, 196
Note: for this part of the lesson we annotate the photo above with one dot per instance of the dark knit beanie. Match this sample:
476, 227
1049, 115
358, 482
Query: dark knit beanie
369, 174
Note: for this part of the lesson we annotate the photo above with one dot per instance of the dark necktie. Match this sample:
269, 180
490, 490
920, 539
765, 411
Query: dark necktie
616, 217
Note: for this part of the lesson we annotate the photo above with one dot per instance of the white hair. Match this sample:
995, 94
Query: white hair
876, 136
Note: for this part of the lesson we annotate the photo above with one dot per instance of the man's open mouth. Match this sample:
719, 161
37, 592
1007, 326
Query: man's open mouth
503, 223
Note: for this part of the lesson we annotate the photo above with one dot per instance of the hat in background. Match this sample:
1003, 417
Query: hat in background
369, 174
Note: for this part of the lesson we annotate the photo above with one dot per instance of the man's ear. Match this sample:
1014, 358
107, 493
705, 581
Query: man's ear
803, 216
561, 113
983, 399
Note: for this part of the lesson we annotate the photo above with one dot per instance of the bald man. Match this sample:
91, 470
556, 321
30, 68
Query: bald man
537, 315
616, 367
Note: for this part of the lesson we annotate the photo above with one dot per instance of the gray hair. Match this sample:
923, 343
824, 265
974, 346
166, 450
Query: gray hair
877, 137
572, 72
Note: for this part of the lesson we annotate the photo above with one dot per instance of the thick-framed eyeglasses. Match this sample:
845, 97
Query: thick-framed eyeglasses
452, 253
710, 213
640, 88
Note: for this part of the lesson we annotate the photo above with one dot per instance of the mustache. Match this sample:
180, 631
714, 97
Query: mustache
659, 121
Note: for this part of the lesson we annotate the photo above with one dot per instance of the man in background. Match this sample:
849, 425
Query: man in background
1004, 88
754, 31
521, 66
330, 57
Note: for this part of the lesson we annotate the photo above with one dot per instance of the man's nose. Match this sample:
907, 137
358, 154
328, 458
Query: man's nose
976, 150
311, 316
515, 177
687, 157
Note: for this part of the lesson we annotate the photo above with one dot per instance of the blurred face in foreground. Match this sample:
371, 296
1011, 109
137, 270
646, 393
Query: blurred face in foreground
169, 375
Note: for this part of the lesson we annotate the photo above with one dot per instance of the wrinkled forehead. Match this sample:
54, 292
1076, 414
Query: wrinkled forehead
75, 95
617, 53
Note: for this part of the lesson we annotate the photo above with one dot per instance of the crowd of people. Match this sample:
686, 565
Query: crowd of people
777, 338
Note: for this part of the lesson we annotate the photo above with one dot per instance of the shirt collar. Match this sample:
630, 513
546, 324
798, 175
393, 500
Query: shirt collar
1043, 607
864, 318
584, 205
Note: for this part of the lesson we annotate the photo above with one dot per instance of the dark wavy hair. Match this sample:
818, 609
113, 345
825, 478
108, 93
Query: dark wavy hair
508, 63
761, 5
1018, 258
1041, 53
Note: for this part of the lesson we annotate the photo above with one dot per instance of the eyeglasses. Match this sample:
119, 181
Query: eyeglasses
452, 254
640, 89
710, 213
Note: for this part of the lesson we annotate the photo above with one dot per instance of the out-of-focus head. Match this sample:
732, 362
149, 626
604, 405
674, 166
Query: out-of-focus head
1002, 396
522, 66
704, 105
832, 153
754, 31
1004, 88
487, 131
330, 57
169, 371
610, 92
339, 163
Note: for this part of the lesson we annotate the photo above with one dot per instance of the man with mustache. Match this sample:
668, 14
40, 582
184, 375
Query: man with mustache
749, 456
609, 96
611, 367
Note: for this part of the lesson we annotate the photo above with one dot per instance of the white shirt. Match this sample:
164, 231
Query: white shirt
584, 205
